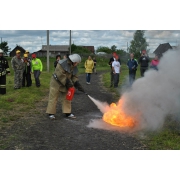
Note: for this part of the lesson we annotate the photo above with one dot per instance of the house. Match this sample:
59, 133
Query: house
53, 50
90, 48
13, 52
162, 48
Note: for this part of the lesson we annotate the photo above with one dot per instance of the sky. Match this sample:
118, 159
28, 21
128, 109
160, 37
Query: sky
33, 40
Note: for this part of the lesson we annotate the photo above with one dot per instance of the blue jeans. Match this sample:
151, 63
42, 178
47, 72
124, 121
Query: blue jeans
88, 77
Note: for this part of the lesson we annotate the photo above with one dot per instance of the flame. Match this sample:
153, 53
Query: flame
117, 117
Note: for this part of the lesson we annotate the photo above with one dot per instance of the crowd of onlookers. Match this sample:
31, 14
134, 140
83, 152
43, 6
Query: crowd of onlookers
132, 64
24, 66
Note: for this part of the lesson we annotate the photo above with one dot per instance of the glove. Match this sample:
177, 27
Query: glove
68, 83
78, 86
86, 93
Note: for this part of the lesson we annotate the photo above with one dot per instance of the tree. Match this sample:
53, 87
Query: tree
113, 48
79, 49
104, 49
4, 46
138, 43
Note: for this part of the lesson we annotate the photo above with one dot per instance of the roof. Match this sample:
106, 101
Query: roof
162, 48
56, 47
19, 48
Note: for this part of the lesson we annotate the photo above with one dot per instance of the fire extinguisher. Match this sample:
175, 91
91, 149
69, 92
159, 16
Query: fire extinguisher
70, 93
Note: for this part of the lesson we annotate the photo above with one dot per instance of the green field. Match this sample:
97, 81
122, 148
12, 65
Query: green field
16, 103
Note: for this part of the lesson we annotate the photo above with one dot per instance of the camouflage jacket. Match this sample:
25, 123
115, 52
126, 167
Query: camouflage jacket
17, 63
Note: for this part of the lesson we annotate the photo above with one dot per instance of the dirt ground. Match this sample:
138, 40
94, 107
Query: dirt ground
36, 131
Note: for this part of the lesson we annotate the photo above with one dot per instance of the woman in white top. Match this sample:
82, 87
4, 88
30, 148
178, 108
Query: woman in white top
116, 70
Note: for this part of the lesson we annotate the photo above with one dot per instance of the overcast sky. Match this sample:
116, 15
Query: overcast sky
34, 39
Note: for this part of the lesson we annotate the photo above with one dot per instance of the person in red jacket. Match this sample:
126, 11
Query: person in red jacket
155, 62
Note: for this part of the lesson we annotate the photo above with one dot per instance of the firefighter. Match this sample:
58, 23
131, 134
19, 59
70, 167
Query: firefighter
64, 77
18, 67
27, 72
4, 69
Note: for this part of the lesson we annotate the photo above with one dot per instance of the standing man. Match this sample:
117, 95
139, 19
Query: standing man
114, 54
18, 67
94, 68
4, 69
132, 66
64, 77
36, 68
116, 71
27, 72
29, 60
144, 63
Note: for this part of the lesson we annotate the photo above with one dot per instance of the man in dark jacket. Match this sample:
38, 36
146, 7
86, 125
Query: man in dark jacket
27, 72
112, 59
132, 66
4, 69
58, 57
144, 63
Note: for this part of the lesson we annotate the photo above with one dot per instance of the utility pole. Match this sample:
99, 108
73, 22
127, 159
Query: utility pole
127, 47
1, 39
70, 43
47, 50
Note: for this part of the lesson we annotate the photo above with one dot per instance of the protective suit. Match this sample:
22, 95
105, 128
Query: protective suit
64, 77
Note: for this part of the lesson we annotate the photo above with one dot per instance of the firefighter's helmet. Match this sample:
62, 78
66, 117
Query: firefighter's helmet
75, 58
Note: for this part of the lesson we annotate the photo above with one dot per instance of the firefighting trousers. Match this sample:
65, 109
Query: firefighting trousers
54, 94
18, 76
3, 84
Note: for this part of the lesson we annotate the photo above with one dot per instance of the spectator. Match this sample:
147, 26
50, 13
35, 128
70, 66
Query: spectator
36, 68
29, 59
114, 54
132, 66
27, 72
18, 67
58, 57
144, 63
94, 69
89, 64
154, 63
116, 70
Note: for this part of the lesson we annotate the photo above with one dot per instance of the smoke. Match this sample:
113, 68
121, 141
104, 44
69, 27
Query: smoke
154, 96
102, 106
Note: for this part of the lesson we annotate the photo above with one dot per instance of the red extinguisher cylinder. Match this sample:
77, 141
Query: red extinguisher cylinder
70, 93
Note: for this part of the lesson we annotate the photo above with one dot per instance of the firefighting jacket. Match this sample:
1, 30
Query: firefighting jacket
66, 74
4, 67
17, 64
